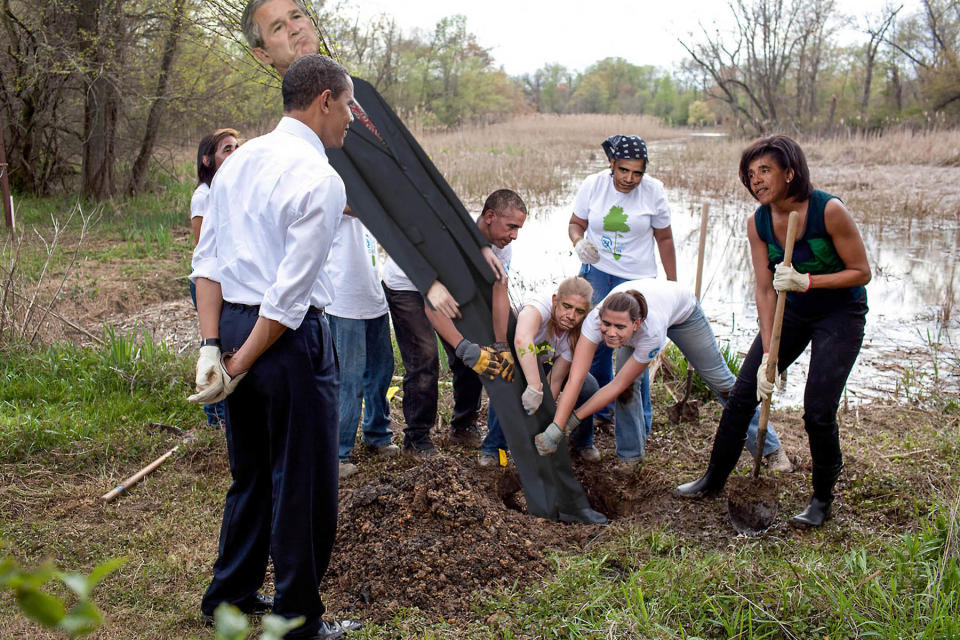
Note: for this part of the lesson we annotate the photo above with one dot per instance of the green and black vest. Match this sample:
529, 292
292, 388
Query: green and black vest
812, 253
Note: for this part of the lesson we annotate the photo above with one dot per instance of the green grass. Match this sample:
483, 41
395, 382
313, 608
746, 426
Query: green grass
657, 586
65, 396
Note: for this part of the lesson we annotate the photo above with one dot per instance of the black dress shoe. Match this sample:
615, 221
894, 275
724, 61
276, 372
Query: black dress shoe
258, 605
816, 513
704, 487
583, 516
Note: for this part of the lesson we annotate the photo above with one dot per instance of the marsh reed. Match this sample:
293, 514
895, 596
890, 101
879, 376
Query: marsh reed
534, 155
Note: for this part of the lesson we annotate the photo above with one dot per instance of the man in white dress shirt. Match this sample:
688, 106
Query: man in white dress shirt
273, 213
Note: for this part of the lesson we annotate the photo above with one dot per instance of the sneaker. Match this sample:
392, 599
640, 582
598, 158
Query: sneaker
420, 449
778, 461
588, 454
487, 460
467, 436
347, 469
385, 450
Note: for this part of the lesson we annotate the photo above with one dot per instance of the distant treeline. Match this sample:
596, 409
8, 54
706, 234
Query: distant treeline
94, 91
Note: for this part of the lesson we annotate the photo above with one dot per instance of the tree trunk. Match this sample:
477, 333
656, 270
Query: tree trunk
99, 25
138, 174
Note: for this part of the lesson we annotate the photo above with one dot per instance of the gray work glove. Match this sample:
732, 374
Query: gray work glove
209, 382
531, 400
483, 360
549, 439
587, 251
572, 423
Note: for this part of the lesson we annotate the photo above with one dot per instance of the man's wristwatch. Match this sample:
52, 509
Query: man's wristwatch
210, 342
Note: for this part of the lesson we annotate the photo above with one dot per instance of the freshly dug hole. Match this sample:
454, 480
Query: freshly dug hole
751, 503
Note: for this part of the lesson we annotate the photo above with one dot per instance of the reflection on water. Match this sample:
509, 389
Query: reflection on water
911, 296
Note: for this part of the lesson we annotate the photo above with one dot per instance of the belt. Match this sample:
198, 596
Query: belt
256, 307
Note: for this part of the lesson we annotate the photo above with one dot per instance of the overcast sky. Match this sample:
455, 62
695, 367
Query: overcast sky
523, 35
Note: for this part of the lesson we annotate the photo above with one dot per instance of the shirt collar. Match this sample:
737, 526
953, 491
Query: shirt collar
298, 129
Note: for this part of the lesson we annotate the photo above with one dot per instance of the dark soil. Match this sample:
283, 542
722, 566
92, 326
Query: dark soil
752, 503
436, 534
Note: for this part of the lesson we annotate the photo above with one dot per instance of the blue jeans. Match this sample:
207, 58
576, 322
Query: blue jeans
581, 438
366, 368
695, 339
216, 412
602, 366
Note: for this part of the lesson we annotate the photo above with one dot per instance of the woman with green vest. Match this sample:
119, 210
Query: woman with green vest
826, 308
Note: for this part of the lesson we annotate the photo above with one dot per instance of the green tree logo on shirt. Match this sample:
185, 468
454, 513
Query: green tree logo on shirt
616, 221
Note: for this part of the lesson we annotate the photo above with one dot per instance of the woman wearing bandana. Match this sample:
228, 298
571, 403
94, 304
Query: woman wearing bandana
618, 216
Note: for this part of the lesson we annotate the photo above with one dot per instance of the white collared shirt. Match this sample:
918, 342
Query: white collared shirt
273, 210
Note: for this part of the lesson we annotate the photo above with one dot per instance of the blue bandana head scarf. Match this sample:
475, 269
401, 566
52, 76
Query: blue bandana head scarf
625, 148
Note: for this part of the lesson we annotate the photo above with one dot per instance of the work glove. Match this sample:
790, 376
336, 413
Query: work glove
548, 440
229, 383
587, 251
531, 400
506, 360
764, 385
572, 423
483, 360
209, 382
786, 278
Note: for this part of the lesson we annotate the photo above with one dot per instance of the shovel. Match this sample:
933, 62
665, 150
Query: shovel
680, 410
752, 502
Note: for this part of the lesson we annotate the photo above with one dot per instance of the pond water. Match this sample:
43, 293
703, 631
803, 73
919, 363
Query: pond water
911, 332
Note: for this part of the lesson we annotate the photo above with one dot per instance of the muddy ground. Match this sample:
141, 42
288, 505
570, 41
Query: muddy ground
437, 534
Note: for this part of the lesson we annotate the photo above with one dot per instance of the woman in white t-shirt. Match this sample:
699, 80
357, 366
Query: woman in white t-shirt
636, 318
619, 216
548, 328
211, 152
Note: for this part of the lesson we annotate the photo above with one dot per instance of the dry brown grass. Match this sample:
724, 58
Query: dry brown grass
890, 178
534, 155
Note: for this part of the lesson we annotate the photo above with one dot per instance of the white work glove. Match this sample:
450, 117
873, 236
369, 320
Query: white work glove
531, 400
548, 440
764, 385
209, 380
786, 278
587, 251
229, 383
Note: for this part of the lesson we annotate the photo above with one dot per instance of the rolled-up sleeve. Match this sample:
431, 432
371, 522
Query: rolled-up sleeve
316, 214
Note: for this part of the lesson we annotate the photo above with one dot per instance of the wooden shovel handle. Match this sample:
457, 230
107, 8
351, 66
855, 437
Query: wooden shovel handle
771, 372
704, 213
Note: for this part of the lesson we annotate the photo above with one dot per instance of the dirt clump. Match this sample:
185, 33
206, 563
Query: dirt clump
430, 537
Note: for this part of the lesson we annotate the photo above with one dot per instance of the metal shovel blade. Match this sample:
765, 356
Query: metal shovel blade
751, 504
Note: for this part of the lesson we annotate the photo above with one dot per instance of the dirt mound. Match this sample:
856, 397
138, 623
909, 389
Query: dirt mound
430, 537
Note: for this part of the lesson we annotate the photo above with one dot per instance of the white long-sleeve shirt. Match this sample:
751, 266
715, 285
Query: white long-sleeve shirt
273, 210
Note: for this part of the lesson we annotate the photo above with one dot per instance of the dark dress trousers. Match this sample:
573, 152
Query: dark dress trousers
401, 197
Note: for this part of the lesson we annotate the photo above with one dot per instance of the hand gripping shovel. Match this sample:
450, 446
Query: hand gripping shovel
752, 501
681, 409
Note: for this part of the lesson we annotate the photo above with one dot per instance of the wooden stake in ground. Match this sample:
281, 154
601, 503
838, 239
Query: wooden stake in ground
5, 185
677, 410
